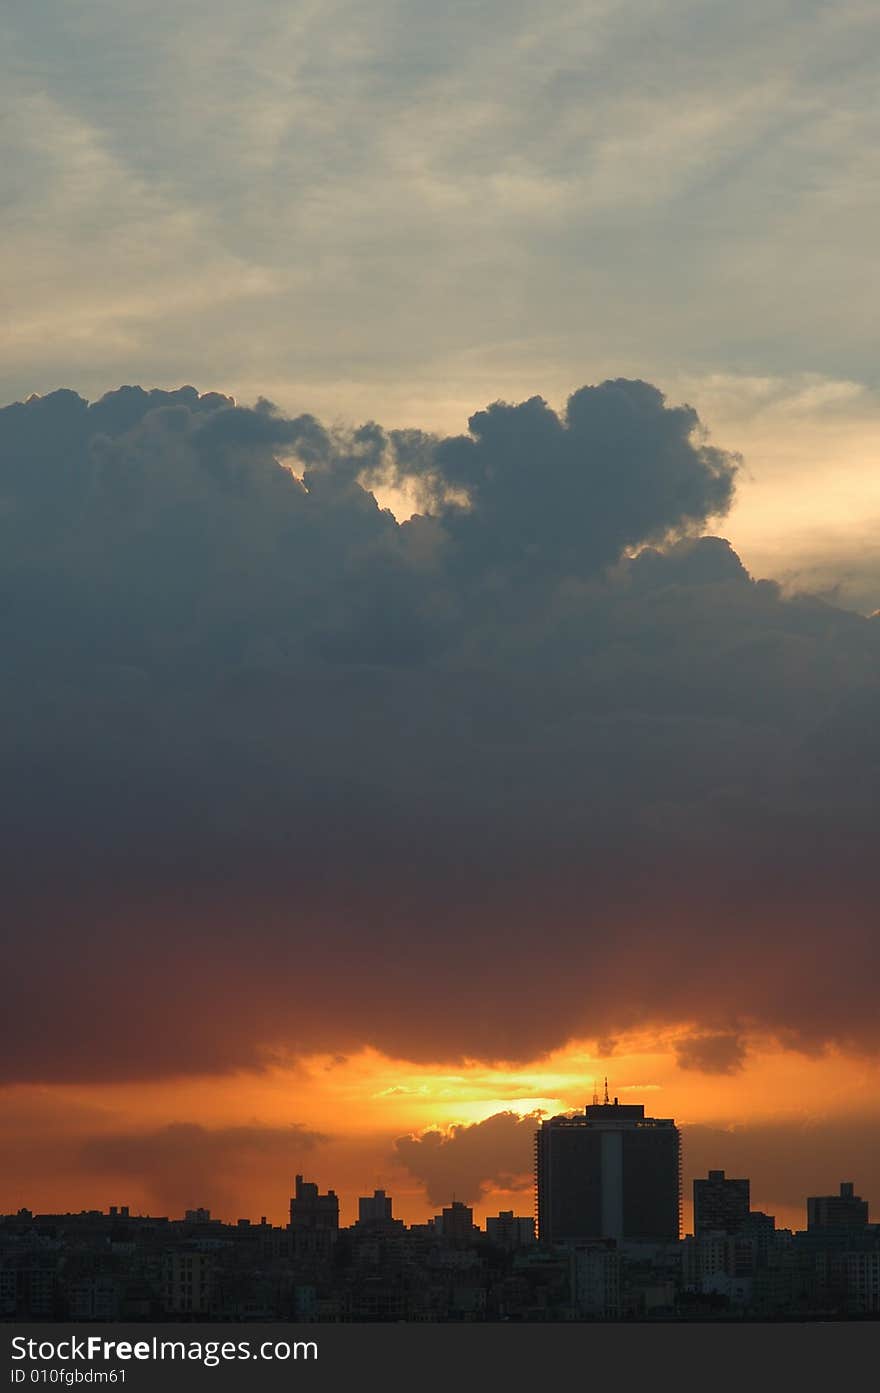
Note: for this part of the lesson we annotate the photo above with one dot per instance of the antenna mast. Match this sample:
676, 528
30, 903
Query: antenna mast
605, 1100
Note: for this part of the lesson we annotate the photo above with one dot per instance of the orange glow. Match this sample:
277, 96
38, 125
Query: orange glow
361, 1103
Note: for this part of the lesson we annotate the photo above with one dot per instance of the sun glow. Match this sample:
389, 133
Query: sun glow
354, 1107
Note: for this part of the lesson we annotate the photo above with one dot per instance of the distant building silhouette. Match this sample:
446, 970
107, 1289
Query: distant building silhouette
721, 1205
457, 1225
609, 1172
511, 1231
844, 1211
760, 1228
314, 1220
375, 1208
107, 1266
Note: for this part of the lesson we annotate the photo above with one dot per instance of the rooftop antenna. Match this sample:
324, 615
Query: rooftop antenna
605, 1100
595, 1093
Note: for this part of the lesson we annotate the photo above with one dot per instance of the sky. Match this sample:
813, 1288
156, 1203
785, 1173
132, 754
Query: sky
438, 507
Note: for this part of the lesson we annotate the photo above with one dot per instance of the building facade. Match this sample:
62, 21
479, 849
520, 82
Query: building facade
374, 1208
844, 1211
721, 1205
314, 1220
510, 1231
609, 1172
456, 1223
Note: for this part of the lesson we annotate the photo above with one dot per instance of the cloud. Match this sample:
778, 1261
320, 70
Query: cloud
711, 1054
183, 1165
277, 761
785, 1161
468, 1159
567, 495
314, 187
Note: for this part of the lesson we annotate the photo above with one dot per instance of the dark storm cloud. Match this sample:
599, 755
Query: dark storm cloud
281, 773
471, 1158
711, 1054
566, 494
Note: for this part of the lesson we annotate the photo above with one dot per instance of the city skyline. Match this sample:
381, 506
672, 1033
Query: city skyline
421, 1203
439, 594
819, 1211
606, 1243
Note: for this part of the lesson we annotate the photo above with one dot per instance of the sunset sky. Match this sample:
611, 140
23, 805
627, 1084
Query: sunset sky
450, 675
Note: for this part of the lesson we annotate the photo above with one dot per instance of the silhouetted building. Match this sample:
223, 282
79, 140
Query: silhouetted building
511, 1231
760, 1228
92, 1266
374, 1208
457, 1225
720, 1205
609, 1172
843, 1211
314, 1220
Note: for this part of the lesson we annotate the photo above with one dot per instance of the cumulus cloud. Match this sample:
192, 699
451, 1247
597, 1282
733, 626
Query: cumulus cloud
564, 495
785, 1160
471, 1158
283, 772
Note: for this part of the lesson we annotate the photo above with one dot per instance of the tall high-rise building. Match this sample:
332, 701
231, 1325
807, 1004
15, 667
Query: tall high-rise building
844, 1211
721, 1205
609, 1172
